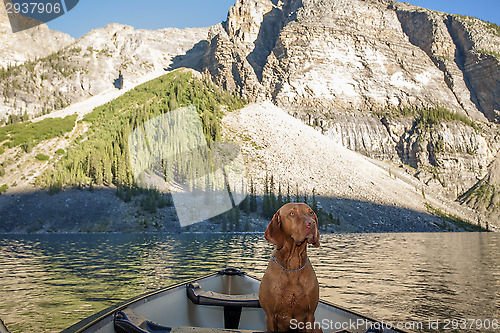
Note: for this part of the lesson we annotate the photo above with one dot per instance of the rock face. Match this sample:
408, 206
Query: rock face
337, 64
106, 51
478, 45
17, 48
451, 155
484, 196
353, 55
466, 49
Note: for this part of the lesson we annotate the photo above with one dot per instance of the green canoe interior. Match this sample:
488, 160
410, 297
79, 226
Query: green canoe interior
171, 307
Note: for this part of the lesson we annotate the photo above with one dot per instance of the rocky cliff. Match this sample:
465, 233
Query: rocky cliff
353, 69
356, 55
484, 196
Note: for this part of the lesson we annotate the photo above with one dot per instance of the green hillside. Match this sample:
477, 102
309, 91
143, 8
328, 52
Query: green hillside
29, 134
101, 156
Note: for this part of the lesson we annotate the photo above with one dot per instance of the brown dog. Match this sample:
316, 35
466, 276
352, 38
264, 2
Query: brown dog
289, 291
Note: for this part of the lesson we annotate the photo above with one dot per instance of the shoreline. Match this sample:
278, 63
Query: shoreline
102, 211
235, 233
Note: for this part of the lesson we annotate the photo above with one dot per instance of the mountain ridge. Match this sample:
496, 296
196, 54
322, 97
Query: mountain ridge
92, 64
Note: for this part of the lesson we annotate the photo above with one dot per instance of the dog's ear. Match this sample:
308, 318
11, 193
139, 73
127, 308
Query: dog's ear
273, 232
315, 240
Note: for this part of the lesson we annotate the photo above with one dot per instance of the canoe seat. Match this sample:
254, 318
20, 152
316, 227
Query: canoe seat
198, 296
232, 303
127, 321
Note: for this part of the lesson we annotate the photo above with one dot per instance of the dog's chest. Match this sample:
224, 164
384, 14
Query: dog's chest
295, 289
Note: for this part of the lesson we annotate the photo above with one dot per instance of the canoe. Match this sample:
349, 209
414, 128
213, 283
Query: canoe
225, 301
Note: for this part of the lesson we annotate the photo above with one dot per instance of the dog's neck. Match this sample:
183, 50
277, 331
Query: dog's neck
291, 256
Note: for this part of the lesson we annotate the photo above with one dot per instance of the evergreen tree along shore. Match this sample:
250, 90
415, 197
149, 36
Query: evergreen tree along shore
101, 156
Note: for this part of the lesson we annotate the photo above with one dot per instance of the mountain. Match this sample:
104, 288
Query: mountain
360, 193
66, 156
92, 65
414, 88
17, 48
85, 165
386, 79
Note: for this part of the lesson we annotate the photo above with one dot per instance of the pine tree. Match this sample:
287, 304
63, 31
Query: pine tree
235, 219
288, 199
314, 202
247, 224
272, 197
266, 203
253, 197
161, 202
245, 205
224, 223
280, 197
119, 192
148, 202
128, 195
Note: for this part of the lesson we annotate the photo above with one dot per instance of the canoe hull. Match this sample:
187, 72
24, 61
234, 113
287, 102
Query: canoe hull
171, 307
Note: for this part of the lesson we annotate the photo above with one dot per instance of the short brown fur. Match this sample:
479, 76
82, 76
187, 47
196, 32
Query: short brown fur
293, 292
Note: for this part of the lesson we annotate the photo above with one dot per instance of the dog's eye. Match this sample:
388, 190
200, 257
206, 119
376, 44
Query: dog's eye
292, 213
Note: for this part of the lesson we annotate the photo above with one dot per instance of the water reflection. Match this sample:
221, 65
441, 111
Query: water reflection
48, 282
413, 276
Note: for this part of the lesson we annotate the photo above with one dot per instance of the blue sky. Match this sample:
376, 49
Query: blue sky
157, 14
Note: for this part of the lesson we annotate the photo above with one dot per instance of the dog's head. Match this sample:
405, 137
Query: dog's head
296, 221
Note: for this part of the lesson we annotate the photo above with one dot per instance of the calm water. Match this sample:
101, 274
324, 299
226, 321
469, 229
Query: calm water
48, 282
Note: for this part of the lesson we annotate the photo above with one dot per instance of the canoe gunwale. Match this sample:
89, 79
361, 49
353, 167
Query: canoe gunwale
82, 325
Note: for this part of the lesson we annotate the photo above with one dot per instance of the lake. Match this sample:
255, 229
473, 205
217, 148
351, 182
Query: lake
48, 282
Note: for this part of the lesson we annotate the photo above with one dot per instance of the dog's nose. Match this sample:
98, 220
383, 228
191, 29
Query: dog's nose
310, 223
